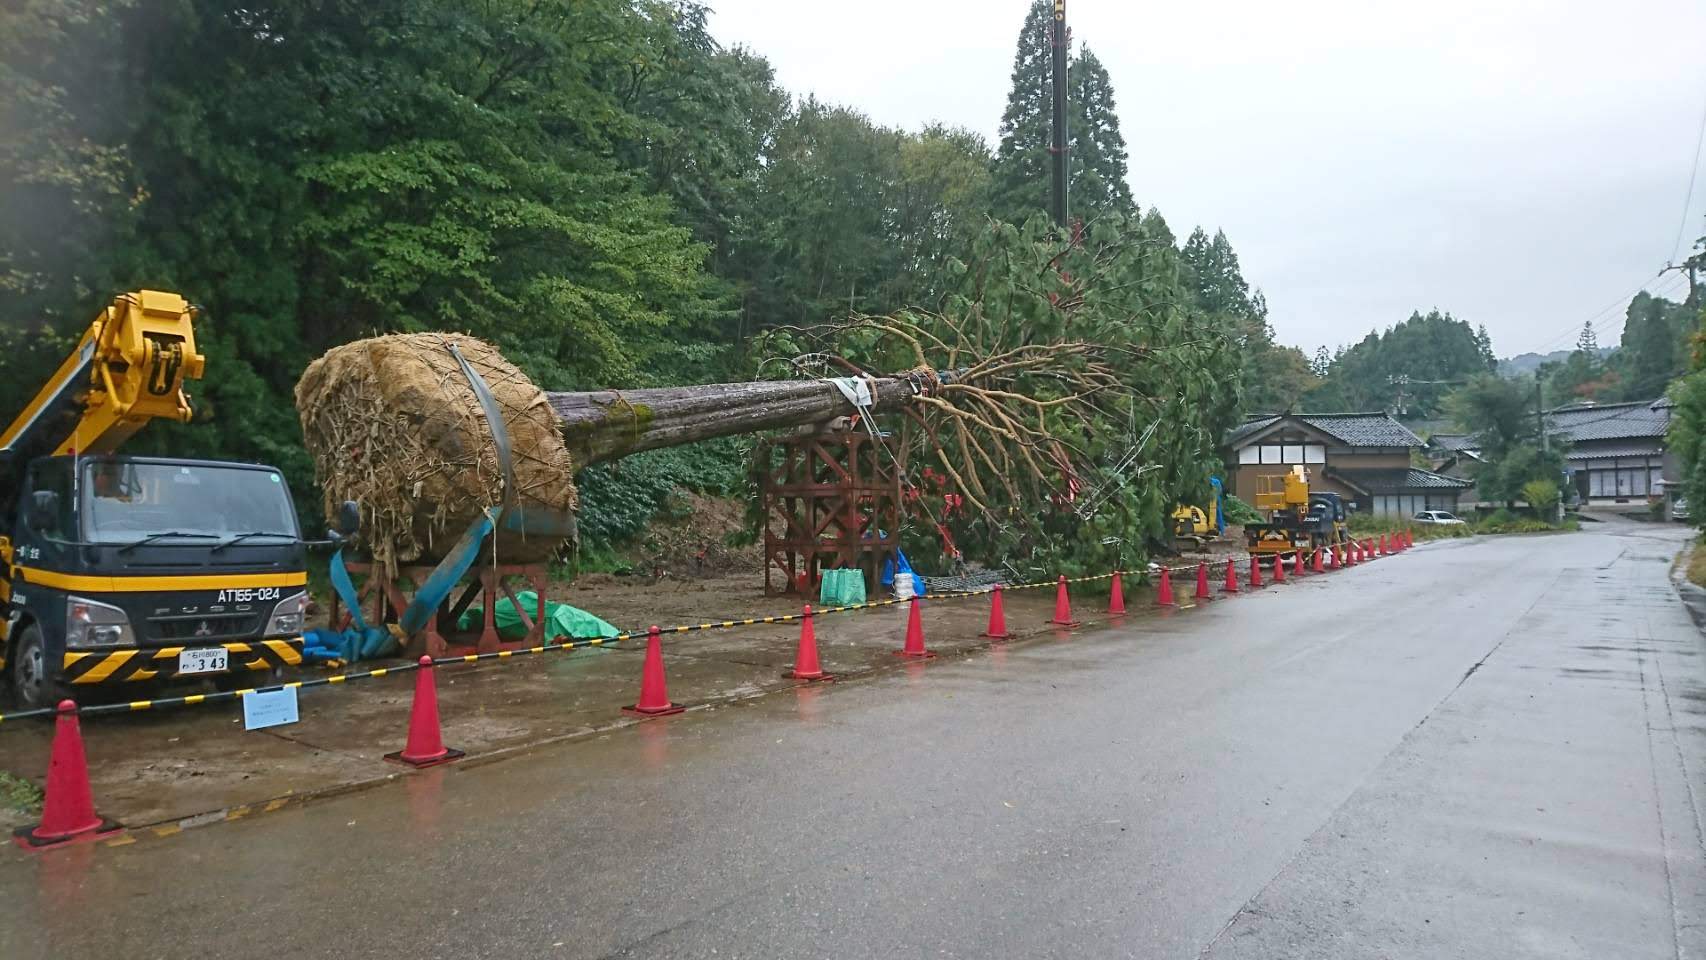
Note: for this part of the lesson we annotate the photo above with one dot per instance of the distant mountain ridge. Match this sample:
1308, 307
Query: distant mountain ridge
1529, 362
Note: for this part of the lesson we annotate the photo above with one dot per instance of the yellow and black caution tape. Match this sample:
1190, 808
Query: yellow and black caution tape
195, 699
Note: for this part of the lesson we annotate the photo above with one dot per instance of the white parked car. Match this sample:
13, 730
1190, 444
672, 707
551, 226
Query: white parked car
1438, 518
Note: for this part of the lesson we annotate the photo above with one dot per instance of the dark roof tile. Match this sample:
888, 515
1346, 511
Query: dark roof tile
1396, 479
1350, 429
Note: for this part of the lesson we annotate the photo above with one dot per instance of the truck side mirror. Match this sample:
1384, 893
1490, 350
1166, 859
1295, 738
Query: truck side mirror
349, 518
44, 510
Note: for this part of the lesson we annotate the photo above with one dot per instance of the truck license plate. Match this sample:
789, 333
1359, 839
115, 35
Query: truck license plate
208, 660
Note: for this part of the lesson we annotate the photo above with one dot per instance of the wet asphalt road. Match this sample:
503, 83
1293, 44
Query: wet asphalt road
1493, 748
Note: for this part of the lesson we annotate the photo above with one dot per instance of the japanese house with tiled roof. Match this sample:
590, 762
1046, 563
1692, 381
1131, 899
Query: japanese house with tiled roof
1363, 457
1617, 451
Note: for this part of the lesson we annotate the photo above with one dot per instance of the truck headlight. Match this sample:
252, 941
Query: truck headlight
90, 623
287, 616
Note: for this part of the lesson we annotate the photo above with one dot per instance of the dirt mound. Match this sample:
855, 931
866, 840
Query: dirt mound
393, 424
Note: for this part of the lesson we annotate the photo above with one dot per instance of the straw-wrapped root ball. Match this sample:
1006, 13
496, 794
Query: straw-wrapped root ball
393, 424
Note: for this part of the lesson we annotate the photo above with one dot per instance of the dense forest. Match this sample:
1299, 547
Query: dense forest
617, 199
598, 186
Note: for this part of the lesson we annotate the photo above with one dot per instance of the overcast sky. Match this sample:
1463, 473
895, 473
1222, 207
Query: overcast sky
1519, 164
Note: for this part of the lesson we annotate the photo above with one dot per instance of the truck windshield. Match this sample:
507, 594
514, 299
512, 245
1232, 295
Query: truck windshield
123, 502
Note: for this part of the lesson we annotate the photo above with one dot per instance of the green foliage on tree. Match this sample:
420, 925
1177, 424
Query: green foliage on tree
854, 217
1501, 413
1272, 378
1096, 151
597, 186
1421, 360
1542, 497
1129, 455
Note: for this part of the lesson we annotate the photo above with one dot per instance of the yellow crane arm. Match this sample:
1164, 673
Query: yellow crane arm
128, 368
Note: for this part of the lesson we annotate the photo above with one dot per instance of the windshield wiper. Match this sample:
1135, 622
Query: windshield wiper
161, 536
239, 538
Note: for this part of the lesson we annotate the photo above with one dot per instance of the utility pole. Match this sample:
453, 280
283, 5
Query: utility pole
1540, 414
1058, 37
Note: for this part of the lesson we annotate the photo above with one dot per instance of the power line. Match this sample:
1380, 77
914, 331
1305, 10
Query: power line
1663, 290
1688, 198
1597, 314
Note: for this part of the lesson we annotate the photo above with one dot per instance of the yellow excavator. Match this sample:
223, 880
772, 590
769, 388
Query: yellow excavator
1194, 525
122, 570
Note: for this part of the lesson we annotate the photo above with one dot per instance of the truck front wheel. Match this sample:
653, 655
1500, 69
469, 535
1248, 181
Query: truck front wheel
34, 684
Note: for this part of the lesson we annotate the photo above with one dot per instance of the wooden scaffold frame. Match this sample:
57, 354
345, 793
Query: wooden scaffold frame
830, 500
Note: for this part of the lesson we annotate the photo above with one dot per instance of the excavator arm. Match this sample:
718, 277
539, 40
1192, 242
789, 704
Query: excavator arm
128, 368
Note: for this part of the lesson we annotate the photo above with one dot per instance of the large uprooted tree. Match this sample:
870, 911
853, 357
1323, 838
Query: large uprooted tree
1059, 390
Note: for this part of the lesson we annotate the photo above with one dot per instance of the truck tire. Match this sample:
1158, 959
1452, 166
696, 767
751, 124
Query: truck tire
34, 685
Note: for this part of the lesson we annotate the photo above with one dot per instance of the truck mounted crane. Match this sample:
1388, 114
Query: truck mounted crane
128, 569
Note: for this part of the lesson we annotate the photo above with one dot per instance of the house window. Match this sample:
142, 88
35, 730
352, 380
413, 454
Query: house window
1250, 454
1270, 453
1314, 453
1293, 453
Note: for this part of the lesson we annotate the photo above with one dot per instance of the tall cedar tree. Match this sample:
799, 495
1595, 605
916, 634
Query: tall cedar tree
1022, 169
1271, 377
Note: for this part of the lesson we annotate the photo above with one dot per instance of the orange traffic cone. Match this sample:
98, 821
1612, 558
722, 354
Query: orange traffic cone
1116, 595
1297, 567
1231, 577
68, 803
806, 666
1202, 582
1279, 569
1383, 545
997, 629
914, 646
654, 687
1255, 572
1316, 565
1163, 591
1062, 605
425, 747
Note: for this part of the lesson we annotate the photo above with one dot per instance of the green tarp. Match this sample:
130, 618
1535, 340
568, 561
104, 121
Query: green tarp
561, 620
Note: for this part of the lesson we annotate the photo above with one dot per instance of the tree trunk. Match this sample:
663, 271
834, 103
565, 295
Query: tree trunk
607, 424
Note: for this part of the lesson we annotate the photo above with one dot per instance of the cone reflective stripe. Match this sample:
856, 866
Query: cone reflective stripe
806, 666
1231, 577
1116, 594
1255, 572
997, 629
1062, 605
68, 803
654, 687
1202, 582
1317, 564
1279, 569
914, 635
1163, 591
425, 746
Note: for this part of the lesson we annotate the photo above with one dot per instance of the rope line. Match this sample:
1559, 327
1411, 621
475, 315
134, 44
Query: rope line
226, 696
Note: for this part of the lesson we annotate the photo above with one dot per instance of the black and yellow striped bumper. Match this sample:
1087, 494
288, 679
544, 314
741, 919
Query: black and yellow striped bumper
123, 666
